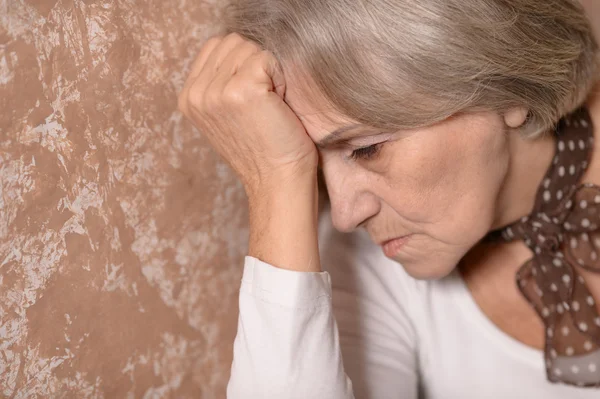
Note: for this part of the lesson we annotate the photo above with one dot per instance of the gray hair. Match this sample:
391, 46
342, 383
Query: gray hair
397, 64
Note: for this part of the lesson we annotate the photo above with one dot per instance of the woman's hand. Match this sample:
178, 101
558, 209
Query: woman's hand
234, 96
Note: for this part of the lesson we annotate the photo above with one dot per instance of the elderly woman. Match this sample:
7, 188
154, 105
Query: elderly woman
456, 142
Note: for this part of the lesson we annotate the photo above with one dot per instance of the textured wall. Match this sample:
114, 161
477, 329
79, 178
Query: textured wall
121, 234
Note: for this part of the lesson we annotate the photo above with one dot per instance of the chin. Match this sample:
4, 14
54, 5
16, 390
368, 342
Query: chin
428, 269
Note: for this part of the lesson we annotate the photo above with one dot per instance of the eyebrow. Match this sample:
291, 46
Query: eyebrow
338, 135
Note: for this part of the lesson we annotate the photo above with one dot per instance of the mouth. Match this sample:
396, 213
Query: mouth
392, 247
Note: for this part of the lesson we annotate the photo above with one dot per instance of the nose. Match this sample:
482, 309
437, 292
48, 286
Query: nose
351, 197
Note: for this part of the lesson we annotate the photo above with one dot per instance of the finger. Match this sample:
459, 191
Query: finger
205, 52
216, 58
231, 64
210, 68
264, 71
212, 52
275, 70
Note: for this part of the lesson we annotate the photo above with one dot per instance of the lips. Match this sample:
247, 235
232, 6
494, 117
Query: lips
392, 247
382, 243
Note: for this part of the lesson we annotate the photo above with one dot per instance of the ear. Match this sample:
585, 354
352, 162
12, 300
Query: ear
515, 117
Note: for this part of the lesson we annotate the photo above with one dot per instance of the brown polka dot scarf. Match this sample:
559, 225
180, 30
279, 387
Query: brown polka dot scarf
563, 234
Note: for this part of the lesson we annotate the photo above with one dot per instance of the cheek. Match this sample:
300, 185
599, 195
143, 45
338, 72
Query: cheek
428, 176
468, 195
448, 181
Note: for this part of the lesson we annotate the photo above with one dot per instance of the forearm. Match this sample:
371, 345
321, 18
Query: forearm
287, 343
283, 224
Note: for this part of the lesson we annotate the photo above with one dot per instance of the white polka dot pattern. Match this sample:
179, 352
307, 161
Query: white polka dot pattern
563, 234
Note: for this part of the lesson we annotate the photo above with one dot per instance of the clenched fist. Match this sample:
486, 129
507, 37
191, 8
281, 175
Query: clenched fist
235, 96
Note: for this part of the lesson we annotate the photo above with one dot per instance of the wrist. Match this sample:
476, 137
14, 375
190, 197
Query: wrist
283, 226
284, 198
281, 182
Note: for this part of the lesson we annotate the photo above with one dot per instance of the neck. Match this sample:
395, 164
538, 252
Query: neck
529, 160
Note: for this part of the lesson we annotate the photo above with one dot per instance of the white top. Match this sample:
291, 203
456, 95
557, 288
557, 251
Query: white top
399, 337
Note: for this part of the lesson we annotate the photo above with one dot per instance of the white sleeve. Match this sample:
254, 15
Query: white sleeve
288, 344
287, 340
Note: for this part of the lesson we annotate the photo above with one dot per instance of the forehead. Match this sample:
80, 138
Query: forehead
318, 117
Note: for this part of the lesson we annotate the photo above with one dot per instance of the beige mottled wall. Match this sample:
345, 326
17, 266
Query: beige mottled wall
121, 234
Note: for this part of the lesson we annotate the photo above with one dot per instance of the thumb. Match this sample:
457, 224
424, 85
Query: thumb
274, 70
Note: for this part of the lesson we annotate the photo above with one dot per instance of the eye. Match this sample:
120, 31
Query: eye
366, 153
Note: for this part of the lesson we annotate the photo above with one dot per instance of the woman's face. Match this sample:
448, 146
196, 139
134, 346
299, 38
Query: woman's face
438, 185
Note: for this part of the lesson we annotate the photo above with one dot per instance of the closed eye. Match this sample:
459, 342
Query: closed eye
366, 153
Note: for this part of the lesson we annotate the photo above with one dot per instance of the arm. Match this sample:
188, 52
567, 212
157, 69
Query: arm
283, 221
288, 344
287, 341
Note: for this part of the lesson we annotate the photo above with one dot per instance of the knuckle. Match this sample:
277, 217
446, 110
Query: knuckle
235, 36
253, 61
233, 95
246, 42
253, 45
265, 54
196, 99
261, 58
